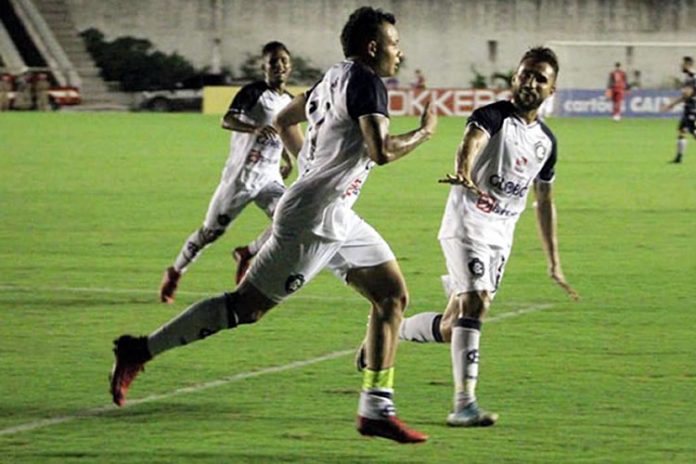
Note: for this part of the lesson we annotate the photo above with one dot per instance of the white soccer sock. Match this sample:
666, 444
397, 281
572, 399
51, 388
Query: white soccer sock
681, 146
256, 245
376, 404
197, 322
465, 360
422, 328
190, 251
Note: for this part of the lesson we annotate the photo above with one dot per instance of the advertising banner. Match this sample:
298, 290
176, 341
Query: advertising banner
462, 102
593, 103
447, 102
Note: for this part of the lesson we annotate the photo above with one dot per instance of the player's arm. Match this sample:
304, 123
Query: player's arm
473, 142
546, 220
232, 121
384, 148
287, 165
687, 92
287, 123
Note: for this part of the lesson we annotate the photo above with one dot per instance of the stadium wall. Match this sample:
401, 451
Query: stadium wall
447, 39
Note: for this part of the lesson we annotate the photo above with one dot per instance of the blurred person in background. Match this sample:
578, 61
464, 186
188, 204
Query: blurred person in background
687, 123
41, 88
419, 81
23, 92
5, 91
617, 86
253, 171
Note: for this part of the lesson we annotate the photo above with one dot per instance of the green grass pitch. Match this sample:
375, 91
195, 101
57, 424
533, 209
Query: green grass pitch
93, 207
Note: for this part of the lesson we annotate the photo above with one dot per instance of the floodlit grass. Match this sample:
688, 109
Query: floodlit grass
93, 207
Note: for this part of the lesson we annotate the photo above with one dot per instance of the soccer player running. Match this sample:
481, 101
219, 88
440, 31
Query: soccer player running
506, 151
253, 171
687, 124
315, 226
617, 86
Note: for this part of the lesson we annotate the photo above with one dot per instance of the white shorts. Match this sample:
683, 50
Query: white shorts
473, 267
229, 201
286, 262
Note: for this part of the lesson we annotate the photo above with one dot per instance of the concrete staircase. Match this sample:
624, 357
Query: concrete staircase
94, 91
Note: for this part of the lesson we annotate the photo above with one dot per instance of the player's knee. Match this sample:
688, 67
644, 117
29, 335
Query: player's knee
391, 308
475, 304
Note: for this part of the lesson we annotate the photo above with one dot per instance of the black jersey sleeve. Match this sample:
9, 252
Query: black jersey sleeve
247, 97
548, 170
366, 93
490, 117
309, 91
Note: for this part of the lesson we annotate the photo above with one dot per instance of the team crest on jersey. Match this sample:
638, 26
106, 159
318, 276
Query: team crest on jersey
540, 151
294, 283
476, 267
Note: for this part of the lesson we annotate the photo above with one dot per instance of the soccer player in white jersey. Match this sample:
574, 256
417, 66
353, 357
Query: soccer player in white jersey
315, 226
687, 123
253, 171
505, 152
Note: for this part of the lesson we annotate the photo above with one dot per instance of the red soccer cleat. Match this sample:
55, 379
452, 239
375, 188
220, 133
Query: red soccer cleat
131, 355
390, 428
242, 256
170, 280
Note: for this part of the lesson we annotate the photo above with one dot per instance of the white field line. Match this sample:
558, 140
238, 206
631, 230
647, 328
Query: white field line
415, 302
154, 292
43, 423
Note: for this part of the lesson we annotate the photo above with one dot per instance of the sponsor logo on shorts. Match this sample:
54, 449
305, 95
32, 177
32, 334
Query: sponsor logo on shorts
294, 283
476, 267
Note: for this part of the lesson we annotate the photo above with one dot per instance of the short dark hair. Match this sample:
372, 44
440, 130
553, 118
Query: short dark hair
542, 54
270, 47
689, 59
362, 26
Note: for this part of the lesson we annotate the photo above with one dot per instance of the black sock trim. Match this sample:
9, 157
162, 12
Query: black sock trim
381, 394
231, 305
437, 335
468, 323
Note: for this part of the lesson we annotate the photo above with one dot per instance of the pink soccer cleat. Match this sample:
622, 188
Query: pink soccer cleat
390, 428
131, 355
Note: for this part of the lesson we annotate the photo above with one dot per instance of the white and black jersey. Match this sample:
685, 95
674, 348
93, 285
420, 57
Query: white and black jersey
688, 119
254, 160
334, 159
690, 103
515, 156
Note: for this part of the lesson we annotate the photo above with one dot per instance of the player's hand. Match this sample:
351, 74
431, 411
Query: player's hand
267, 132
428, 120
557, 275
285, 170
460, 179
